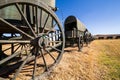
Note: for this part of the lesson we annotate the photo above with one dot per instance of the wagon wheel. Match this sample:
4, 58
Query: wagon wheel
80, 43
86, 40
37, 40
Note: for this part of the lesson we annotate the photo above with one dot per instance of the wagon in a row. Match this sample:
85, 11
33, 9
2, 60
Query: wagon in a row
76, 32
31, 38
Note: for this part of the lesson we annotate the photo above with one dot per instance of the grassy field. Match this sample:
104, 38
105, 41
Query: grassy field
99, 61
110, 58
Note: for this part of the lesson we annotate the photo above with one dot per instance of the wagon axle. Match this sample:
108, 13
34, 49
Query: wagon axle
41, 41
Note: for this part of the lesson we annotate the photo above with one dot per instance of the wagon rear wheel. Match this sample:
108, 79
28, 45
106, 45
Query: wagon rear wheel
31, 44
80, 43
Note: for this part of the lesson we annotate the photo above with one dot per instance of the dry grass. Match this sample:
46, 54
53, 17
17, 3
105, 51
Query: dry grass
110, 58
88, 64
99, 61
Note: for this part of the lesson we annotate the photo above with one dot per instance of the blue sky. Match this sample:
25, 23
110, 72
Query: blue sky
99, 16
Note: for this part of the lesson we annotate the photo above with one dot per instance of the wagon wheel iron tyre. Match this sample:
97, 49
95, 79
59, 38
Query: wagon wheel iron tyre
38, 41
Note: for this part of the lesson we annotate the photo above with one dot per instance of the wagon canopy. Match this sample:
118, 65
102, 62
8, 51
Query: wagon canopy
11, 12
51, 3
72, 22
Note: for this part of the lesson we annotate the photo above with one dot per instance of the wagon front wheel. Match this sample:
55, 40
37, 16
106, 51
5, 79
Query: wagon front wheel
38, 39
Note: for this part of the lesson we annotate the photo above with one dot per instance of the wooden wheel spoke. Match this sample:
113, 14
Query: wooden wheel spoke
16, 28
22, 47
45, 23
25, 46
41, 19
35, 63
23, 16
46, 67
12, 56
55, 42
10, 48
51, 28
51, 55
55, 49
37, 26
20, 68
15, 38
17, 48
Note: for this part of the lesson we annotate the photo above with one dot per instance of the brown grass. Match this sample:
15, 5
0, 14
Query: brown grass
110, 58
84, 65
93, 63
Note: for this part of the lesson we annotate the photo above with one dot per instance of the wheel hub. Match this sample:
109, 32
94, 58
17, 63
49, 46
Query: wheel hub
41, 41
